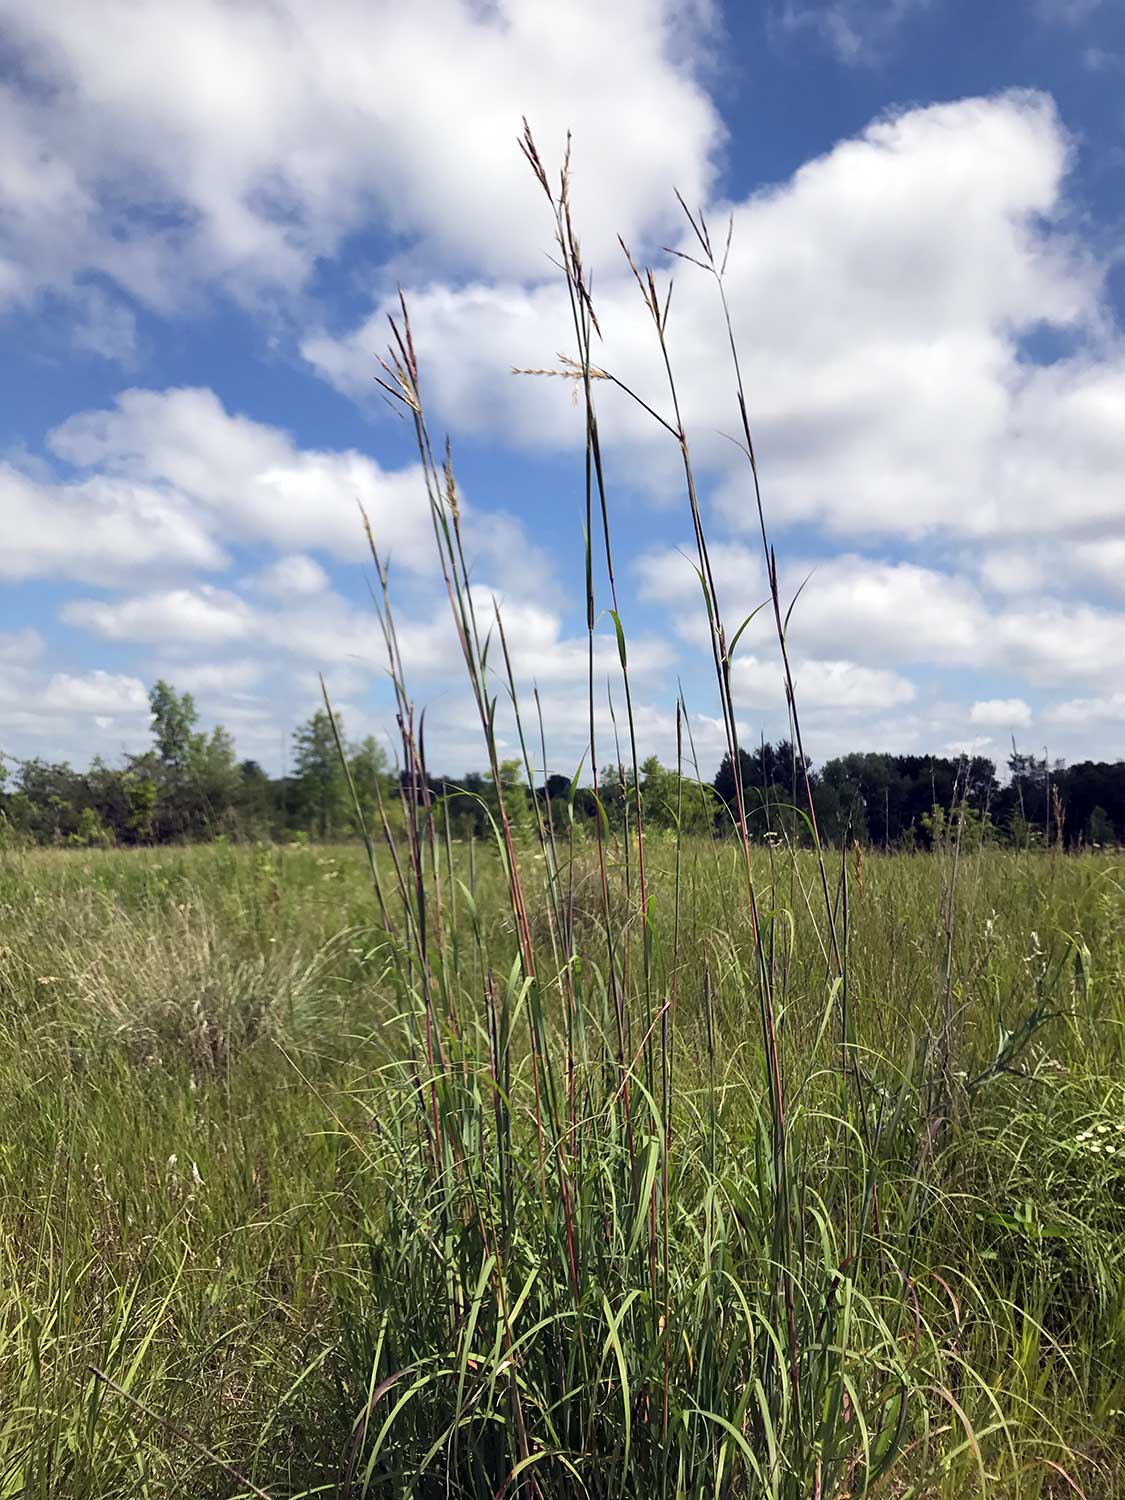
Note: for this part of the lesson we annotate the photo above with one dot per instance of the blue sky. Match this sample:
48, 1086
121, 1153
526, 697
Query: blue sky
207, 209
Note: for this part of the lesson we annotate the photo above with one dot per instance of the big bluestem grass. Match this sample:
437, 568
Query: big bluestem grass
629, 1256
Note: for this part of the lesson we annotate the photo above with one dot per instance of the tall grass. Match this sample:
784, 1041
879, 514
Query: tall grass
602, 1284
253, 1238
611, 1165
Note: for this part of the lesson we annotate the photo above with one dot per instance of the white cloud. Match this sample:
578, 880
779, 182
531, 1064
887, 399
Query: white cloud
294, 576
162, 146
237, 480
326, 629
897, 612
1001, 713
883, 353
881, 613
1055, 642
21, 647
295, 639
1084, 712
248, 479
67, 715
100, 530
468, 338
172, 479
978, 744
540, 652
819, 684
876, 611
1044, 568
233, 678
99, 693
1102, 60
203, 616
669, 577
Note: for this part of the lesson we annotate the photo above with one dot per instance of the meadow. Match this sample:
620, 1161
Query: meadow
231, 1181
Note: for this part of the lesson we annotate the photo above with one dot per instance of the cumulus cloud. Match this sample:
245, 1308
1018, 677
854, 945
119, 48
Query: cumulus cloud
233, 677
164, 147
67, 714
1033, 569
102, 529
102, 325
878, 611
1001, 713
900, 613
821, 683
883, 354
101, 693
202, 616
248, 479
328, 629
291, 640
295, 576
167, 481
1067, 12
1086, 712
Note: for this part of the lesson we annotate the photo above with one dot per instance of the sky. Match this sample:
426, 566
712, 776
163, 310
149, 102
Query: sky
206, 211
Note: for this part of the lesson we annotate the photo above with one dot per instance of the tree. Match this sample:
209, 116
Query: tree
367, 763
46, 804
725, 783
256, 799
142, 795
1099, 830
514, 794
772, 783
841, 807
1026, 809
615, 792
964, 827
466, 799
320, 784
91, 832
173, 724
669, 799
888, 798
212, 784
196, 773
659, 794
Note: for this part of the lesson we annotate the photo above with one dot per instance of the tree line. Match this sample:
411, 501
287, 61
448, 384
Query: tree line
190, 785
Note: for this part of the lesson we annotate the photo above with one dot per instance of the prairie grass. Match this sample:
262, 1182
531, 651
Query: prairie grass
607, 1164
252, 1238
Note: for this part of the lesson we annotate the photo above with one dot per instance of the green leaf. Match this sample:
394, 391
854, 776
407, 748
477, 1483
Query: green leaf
620, 639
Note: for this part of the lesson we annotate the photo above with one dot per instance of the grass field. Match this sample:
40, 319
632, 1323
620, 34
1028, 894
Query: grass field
354, 1239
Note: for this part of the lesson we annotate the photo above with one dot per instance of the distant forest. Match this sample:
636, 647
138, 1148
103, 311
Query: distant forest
191, 786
